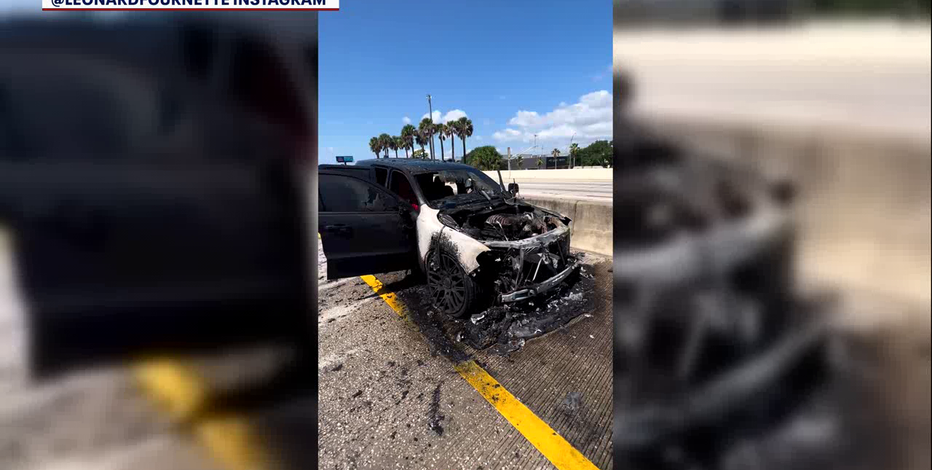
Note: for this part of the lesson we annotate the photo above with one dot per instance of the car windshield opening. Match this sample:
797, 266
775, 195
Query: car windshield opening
456, 184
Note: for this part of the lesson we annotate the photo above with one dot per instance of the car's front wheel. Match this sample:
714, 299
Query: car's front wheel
452, 291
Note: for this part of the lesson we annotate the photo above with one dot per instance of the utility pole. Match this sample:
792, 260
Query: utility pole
537, 151
572, 154
430, 115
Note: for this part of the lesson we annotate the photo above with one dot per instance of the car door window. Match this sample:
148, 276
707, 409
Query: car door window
381, 176
402, 187
340, 193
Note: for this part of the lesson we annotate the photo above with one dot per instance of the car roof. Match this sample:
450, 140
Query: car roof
414, 165
339, 167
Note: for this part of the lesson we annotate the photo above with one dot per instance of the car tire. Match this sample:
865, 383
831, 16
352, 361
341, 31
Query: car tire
451, 290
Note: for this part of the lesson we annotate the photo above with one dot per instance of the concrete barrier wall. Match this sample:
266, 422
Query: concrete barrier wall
592, 222
586, 174
864, 206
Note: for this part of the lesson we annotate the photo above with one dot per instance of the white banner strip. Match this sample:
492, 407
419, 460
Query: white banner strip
189, 5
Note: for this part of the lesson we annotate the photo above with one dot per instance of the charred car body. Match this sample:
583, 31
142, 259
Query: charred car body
718, 356
473, 239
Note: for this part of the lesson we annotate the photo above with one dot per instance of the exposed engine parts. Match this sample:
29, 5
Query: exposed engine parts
513, 226
508, 223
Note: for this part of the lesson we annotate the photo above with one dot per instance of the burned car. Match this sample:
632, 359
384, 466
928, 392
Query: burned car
475, 241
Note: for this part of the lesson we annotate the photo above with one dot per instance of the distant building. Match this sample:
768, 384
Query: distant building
529, 162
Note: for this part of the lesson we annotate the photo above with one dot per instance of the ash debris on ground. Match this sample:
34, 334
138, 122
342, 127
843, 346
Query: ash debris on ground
505, 328
571, 404
434, 418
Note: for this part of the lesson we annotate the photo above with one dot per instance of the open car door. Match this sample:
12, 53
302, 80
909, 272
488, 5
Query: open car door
364, 228
155, 202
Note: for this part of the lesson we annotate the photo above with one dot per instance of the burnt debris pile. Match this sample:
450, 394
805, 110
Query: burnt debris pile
506, 327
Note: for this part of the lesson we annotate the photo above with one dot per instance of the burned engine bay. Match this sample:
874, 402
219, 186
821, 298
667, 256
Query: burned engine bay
502, 222
530, 247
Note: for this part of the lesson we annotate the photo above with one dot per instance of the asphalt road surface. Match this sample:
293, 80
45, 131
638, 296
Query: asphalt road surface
96, 420
394, 393
591, 190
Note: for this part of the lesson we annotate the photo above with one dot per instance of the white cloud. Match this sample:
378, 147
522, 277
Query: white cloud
589, 119
451, 115
507, 134
406, 120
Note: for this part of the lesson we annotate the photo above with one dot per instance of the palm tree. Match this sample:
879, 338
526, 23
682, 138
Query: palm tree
441, 129
385, 143
574, 149
399, 143
409, 146
465, 130
449, 129
392, 146
407, 133
425, 128
375, 146
555, 153
421, 140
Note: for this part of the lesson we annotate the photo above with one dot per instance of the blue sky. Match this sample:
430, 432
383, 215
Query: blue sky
21, 6
516, 68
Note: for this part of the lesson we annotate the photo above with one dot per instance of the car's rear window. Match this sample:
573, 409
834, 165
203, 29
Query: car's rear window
402, 187
381, 176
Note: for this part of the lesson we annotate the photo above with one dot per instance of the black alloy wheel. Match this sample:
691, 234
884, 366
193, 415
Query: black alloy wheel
451, 290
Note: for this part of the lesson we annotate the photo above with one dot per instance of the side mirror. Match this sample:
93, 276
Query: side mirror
513, 188
408, 208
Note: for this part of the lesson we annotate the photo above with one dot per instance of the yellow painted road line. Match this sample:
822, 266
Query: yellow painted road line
174, 387
231, 443
182, 394
551, 444
389, 297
